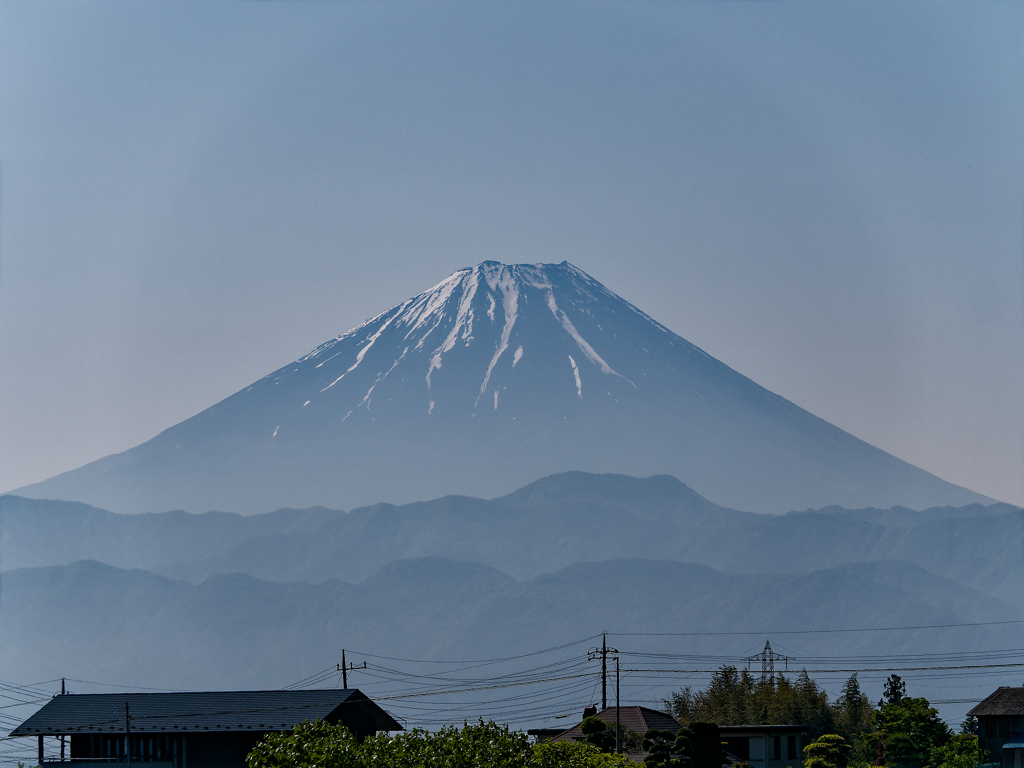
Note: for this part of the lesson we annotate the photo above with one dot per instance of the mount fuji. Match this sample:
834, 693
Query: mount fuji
496, 376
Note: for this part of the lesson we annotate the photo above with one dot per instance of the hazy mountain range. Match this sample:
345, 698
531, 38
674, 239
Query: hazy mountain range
224, 600
494, 377
549, 524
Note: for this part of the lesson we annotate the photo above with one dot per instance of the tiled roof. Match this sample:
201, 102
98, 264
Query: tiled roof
639, 719
1003, 701
207, 711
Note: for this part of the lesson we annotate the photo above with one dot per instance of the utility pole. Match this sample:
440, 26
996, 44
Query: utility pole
345, 668
604, 672
603, 652
618, 746
128, 735
62, 735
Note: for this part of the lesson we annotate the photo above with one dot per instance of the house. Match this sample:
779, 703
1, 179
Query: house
638, 719
765, 746
1001, 725
215, 729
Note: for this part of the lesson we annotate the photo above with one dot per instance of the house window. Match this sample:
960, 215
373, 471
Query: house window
791, 747
777, 751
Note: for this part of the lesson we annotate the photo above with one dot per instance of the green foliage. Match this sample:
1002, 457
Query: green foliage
910, 728
597, 734
311, 745
736, 697
827, 751
484, 745
961, 751
894, 691
630, 742
569, 754
668, 749
851, 712
969, 725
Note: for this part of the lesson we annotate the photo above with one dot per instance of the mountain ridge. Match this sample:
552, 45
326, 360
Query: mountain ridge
431, 608
548, 524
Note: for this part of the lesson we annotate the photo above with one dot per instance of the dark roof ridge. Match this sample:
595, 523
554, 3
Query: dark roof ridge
1004, 700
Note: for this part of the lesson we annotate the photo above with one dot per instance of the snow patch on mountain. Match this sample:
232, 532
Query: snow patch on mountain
510, 305
576, 374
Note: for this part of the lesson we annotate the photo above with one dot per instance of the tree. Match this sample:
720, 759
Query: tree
737, 698
668, 749
597, 734
827, 751
311, 745
851, 712
894, 691
910, 728
575, 754
961, 751
969, 725
449, 747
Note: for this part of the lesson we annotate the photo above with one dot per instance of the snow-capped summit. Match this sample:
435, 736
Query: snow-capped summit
528, 333
496, 376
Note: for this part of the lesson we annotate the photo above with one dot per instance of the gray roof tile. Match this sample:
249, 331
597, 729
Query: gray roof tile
197, 711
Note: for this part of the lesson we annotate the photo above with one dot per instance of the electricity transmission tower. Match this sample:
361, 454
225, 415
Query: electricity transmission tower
767, 657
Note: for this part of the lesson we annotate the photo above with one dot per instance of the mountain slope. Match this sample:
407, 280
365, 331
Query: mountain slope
498, 375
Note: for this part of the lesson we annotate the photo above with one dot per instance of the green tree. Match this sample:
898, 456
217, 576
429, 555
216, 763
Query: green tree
597, 734
827, 751
894, 691
961, 751
311, 745
575, 754
668, 749
969, 725
737, 698
851, 712
910, 728
450, 747
321, 745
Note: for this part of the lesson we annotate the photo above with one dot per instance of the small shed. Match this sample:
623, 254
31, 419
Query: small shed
1001, 725
214, 729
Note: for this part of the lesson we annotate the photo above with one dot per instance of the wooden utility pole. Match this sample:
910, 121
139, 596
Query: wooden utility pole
603, 652
618, 745
345, 668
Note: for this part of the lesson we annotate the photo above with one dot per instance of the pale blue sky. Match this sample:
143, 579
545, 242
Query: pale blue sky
827, 196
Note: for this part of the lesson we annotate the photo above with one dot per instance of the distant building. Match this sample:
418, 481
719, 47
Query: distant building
1001, 726
191, 730
638, 719
765, 746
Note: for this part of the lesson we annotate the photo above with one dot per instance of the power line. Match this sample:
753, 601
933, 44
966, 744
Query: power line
814, 631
